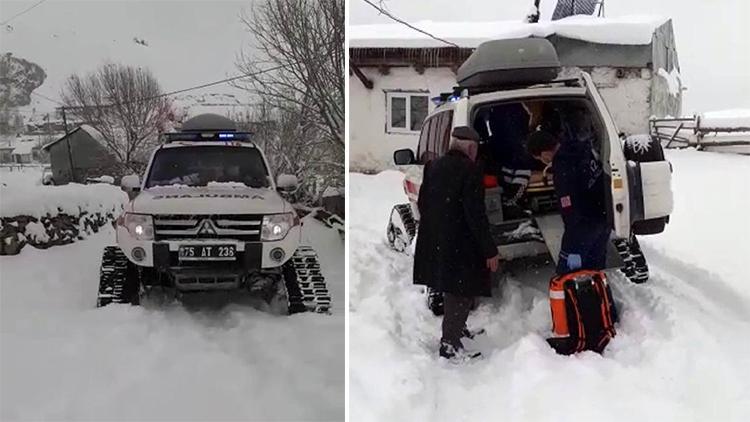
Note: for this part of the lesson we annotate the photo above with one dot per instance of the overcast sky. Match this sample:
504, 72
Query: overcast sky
192, 42
189, 42
713, 37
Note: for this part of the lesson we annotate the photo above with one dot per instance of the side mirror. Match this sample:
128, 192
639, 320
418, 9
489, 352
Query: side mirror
404, 157
131, 182
286, 183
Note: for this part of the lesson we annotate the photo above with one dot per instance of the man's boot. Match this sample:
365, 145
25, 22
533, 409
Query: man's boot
457, 354
470, 334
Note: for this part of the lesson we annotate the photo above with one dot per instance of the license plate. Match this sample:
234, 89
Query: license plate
207, 252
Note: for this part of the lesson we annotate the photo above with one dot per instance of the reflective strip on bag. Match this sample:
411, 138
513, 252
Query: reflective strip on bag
557, 294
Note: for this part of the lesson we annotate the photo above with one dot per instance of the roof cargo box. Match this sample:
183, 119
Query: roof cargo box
512, 62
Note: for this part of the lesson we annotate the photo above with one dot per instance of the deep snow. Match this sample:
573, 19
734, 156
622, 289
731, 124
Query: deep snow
680, 352
71, 199
63, 359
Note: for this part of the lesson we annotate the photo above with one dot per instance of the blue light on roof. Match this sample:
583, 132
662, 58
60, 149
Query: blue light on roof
226, 135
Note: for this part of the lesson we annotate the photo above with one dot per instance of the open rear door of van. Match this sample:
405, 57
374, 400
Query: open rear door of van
613, 161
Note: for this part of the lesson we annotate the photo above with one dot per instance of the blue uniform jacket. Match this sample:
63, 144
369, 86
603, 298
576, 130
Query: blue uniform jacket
579, 185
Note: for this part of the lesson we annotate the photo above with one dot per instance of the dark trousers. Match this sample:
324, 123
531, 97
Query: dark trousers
457, 310
584, 249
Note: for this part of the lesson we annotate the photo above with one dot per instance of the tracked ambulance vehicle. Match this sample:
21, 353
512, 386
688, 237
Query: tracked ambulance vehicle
500, 78
209, 216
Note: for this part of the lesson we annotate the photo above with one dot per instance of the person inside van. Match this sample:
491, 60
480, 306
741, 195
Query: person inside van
505, 127
580, 190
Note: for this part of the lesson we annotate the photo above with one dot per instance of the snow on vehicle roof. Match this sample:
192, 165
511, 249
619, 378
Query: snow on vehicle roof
625, 30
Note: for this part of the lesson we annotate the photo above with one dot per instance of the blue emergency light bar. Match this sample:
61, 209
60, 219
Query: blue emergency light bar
445, 97
206, 136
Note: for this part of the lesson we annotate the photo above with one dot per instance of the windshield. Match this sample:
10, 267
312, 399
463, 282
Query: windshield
199, 166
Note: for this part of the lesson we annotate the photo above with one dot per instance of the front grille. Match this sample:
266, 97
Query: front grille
242, 227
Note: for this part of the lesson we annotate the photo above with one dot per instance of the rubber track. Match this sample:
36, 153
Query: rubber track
634, 266
306, 286
112, 277
407, 218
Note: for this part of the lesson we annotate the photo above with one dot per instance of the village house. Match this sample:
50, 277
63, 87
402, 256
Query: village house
6, 152
395, 72
79, 155
21, 150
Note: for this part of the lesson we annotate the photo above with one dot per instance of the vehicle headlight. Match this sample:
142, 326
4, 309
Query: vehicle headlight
140, 226
276, 226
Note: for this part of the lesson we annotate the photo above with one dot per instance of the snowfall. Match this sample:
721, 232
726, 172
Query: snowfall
61, 358
681, 351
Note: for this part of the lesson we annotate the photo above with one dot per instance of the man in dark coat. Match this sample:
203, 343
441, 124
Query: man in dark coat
455, 251
580, 190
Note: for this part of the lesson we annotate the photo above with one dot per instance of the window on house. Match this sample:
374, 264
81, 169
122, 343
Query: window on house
406, 111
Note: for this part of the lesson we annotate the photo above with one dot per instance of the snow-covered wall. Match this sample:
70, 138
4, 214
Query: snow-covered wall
45, 216
370, 145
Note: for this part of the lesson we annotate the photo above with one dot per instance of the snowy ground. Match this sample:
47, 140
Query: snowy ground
21, 177
63, 359
681, 352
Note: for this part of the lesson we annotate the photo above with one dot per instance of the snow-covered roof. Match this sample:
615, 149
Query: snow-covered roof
731, 119
90, 130
332, 191
23, 148
98, 137
626, 30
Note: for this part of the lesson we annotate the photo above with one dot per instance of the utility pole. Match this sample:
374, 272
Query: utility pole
67, 141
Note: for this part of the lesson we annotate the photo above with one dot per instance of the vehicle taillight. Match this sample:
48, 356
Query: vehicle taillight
410, 187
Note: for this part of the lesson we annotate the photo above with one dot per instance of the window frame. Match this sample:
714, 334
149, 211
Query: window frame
406, 95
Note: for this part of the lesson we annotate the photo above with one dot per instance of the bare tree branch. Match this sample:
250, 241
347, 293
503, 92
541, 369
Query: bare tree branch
306, 37
124, 104
303, 101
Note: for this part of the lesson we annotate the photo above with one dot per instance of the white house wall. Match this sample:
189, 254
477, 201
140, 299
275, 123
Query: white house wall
370, 146
627, 97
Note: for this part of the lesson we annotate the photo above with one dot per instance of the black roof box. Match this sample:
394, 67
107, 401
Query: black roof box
209, 122
510, 62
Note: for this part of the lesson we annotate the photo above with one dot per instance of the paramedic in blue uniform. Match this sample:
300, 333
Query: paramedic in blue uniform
580, 189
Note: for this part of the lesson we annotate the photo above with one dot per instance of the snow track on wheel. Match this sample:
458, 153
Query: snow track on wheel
680, 352
63, 359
